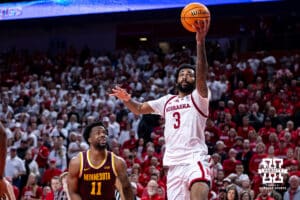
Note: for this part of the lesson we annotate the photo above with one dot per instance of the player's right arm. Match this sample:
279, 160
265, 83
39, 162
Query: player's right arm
134, 106
72, 179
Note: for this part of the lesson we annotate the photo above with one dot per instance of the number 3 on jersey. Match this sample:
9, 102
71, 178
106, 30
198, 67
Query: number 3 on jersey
96, 188
176, 116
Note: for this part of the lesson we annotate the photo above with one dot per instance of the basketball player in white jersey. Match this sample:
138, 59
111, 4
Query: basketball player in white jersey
185, 117
6, 189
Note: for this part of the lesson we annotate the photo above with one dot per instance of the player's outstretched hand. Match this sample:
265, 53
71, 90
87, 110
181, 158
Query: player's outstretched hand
201, 27
120, 93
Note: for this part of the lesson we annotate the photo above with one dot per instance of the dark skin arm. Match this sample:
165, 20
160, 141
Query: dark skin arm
137, 108
6, 190
134, 106
201, 28
72, 178
122, 179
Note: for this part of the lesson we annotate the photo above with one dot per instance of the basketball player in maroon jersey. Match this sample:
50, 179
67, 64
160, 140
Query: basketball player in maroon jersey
93, 174
6, 189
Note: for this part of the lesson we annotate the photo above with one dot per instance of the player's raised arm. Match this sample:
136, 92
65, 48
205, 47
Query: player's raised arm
201, 27
134, 106
72, 179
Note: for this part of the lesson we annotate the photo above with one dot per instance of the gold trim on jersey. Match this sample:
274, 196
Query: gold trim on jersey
113, 157
81, 164
91, 164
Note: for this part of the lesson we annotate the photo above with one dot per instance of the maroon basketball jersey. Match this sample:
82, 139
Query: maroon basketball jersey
97, 182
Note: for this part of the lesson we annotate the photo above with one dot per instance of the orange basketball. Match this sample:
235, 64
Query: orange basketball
192, 12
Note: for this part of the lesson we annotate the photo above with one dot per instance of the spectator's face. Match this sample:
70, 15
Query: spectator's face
220, 175
28, 155
294, 183
245, 197
13, 153
152, 188
230, 195
260, 148
239, 168
245, 184
31, 179
55, 184
46, 190
246, 144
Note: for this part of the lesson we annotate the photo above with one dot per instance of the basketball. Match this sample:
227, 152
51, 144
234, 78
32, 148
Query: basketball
192, 12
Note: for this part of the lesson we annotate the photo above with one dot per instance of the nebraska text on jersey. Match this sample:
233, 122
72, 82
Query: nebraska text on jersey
177, 107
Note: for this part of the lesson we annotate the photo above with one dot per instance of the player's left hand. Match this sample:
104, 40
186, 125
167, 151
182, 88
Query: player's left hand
120, 93
201, 27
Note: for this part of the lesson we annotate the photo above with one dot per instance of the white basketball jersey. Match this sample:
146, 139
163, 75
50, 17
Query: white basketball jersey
185, 121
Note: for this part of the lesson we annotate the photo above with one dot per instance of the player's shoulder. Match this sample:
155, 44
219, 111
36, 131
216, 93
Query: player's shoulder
76, 160
168, 97
117, 158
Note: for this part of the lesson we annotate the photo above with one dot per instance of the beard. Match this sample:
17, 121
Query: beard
186, 89
100, 146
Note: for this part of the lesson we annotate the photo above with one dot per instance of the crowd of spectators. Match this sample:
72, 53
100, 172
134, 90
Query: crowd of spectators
46, 102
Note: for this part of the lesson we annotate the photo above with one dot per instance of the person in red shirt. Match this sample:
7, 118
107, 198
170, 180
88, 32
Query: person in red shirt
232, 134
230, 163
227, 122
290, 154
290, 127
219, 111
240, 94
131, 143
47, 193
151, 192
50, 173
245, 128
285, 111
257, 158
287, 137
32, 190
273, 141
282, 148
264, 193
134, 178
41, 153
213, 130
266, 130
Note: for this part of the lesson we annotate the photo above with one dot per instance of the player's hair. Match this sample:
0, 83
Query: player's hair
88, 128
184, 66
